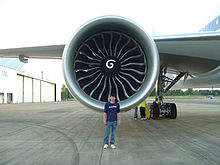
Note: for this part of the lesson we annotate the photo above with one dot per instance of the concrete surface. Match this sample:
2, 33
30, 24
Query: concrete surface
69, 133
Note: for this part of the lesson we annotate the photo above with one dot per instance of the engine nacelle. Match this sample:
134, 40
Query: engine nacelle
107, 55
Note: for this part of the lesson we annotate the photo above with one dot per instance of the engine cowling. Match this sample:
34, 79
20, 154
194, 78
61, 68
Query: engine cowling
107, 55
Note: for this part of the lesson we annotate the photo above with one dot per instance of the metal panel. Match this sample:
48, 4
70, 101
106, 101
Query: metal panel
9, 98
20, 85
47, 91
1, 98
27, 89
36, 90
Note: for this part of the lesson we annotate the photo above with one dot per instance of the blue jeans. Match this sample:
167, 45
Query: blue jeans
135, 112
110, 125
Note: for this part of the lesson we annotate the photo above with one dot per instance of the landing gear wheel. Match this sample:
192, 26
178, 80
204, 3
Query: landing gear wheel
173, 111
167, 106
156, 111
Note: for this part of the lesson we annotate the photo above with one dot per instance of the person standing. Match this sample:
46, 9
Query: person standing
135, 112
111, 119
142, 110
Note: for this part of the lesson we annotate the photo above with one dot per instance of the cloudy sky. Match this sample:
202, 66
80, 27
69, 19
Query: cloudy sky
47, 22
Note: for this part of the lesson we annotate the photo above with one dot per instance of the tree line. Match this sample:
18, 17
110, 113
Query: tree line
189, 92
66, 95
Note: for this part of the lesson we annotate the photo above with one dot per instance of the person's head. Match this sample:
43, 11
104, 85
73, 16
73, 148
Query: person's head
112, 97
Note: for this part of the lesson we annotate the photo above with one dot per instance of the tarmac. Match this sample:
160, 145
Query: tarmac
68, 133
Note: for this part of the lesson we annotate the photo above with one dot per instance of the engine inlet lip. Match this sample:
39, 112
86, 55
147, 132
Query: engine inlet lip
111, 23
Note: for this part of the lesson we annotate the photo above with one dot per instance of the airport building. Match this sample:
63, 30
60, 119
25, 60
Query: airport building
214, 25
19, 87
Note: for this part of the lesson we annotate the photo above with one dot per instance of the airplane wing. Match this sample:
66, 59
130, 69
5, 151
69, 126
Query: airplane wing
207, 80
40, 52
191, 53
195, 54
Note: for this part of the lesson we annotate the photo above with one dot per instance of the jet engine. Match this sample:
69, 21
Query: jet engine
107, 55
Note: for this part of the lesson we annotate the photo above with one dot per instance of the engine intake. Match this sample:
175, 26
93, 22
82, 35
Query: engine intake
107, 55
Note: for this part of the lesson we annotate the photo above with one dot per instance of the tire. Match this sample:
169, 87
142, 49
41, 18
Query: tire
173, 112
156, 111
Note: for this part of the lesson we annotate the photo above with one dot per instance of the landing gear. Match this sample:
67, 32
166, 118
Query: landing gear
168, 110
173, 111
155, 111
159, 107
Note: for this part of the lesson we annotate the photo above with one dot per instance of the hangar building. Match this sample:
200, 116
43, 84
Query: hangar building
19, 87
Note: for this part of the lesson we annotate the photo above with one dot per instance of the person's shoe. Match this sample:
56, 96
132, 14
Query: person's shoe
105, 146
135, 118
113, 146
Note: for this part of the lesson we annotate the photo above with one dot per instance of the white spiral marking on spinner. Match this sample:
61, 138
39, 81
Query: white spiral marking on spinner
110, 64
